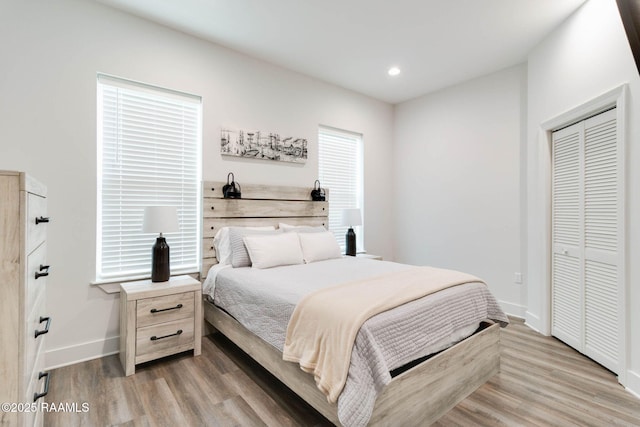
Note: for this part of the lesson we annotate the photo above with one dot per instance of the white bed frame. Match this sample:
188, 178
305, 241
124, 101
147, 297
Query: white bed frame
425, 392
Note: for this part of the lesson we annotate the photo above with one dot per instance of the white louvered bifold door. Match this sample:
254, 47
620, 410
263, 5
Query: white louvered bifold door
567, 236
587, 304
601, 212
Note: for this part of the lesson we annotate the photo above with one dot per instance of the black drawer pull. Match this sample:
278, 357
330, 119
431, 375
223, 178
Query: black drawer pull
46, 327
44, 268
155, 310
37, 396
155, 338
40, 219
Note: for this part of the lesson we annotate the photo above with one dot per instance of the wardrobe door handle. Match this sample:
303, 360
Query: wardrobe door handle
37, 396
155, 338
44, 268
40, 219
46, 327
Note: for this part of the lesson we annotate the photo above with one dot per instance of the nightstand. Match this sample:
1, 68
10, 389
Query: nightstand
159, 319
369, 256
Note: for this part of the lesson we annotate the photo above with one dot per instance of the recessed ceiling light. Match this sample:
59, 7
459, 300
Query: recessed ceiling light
393, 71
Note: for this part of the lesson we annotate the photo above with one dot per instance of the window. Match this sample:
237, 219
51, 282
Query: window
340, 170
149, 142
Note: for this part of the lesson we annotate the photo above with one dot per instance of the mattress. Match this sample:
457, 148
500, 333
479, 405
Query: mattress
263, 301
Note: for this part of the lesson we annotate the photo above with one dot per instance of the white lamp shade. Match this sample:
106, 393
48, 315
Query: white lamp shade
351, 217
160, 219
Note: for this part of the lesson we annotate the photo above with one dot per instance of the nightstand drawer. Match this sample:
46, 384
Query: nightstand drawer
167, 338
152, 311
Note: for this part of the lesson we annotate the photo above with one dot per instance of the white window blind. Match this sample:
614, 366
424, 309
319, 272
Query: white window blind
340, 170
148, 154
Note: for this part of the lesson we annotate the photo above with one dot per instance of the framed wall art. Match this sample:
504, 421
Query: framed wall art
263, 145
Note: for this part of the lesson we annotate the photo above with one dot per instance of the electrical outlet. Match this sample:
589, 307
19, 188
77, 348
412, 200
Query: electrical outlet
518, 278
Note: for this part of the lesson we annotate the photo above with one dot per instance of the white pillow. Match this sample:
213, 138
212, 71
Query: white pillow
319, 246
268, 251
222, 243
239, 255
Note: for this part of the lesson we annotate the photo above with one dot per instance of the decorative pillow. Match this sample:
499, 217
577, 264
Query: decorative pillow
268, 251
319, 246
239, 254
222, 243
301, 228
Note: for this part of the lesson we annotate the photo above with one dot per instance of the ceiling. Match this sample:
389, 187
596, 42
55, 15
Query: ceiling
352, 43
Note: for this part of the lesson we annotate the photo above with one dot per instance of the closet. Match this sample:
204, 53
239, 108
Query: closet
587, 298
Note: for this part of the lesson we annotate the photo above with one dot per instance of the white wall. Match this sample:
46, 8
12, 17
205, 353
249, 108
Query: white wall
587, 56
457, 189
51, 52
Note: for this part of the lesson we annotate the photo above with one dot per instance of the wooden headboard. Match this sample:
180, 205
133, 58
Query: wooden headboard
260, 205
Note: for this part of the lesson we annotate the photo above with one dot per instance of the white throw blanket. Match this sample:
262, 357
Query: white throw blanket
323, 327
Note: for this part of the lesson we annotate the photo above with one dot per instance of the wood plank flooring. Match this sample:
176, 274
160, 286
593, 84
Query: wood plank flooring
542, 383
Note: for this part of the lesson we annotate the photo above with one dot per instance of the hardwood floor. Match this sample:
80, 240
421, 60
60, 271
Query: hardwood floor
542, 383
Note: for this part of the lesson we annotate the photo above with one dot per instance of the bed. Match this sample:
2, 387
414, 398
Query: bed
423, 390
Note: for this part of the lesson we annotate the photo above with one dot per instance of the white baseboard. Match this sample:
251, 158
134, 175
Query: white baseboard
532, 321
64, 356
633, 383
512, 309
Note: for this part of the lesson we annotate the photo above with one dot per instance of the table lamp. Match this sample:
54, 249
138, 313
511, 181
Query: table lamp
351, 218
160, 219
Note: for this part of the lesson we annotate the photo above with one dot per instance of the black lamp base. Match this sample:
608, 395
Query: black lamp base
350, 240
160, 271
